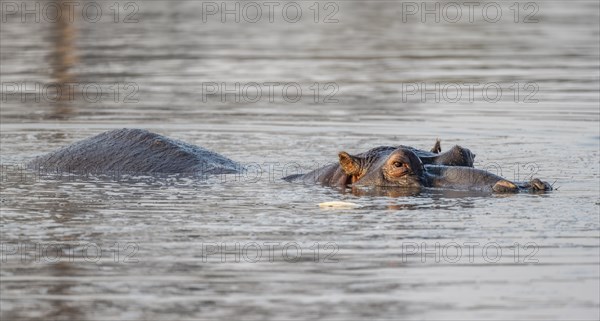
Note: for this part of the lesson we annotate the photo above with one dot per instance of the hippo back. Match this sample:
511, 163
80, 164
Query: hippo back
134, 151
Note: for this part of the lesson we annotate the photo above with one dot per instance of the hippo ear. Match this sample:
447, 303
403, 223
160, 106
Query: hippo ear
437, 148
350, 164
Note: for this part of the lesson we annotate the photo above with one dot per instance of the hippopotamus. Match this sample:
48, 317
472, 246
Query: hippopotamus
344, 173
402, 167
134, 151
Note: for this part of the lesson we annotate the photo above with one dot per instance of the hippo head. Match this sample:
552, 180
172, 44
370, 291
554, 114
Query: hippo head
401, 167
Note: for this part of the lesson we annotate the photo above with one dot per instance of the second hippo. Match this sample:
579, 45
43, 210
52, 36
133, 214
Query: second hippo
134, 151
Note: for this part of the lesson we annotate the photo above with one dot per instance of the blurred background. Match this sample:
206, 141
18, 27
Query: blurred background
273, 82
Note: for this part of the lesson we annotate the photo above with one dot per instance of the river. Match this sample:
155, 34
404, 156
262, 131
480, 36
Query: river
285, 90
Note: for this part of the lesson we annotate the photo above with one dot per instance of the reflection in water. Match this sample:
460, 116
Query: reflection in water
389, 192
62, 61
63, 309
394, 192
440, 197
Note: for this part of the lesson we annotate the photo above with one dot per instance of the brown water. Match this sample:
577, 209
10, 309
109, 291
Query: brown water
368, 66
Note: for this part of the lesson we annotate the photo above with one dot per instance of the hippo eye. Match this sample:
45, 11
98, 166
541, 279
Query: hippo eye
397, 164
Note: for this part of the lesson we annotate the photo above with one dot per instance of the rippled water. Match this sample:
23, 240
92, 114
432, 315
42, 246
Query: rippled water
161, 238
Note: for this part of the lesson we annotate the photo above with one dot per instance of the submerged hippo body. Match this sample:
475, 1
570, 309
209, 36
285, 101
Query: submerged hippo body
344, 172
403, 168
134, 151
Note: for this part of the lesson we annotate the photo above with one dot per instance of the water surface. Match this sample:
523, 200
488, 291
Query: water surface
369, 262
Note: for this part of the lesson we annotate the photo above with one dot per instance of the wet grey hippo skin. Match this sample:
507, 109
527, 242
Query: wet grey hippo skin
455, 156
403, 168
335, 175
134, 151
